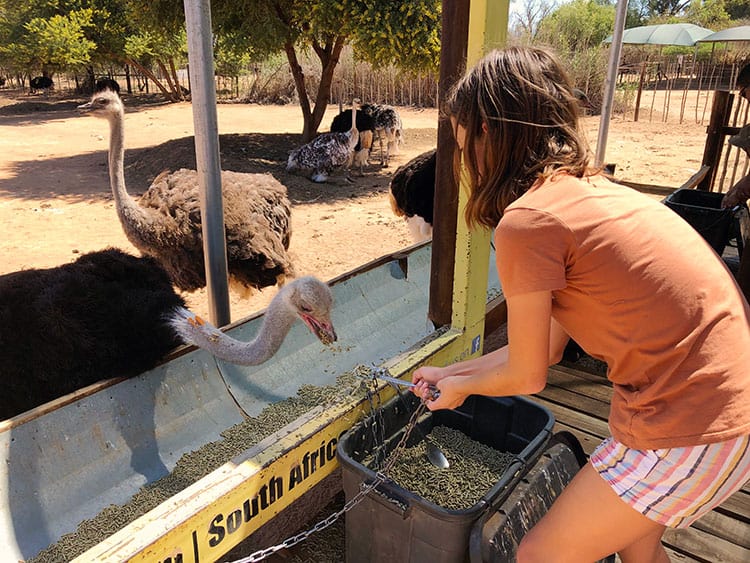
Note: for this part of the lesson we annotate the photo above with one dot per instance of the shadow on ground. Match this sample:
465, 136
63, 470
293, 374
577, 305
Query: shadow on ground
252, 152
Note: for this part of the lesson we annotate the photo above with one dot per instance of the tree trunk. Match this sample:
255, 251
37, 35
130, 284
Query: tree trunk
149, 74
172, 86
299, 84
178, 87
329, 58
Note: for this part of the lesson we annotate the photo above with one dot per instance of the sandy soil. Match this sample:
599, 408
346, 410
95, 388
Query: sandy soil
55, 201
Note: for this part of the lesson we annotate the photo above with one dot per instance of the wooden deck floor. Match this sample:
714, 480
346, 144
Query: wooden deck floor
579, 399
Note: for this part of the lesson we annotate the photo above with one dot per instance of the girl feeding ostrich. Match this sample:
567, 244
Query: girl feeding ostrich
165, 221
633, 283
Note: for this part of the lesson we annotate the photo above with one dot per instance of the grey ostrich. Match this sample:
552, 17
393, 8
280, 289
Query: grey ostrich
166, 223
328, 151
306, 298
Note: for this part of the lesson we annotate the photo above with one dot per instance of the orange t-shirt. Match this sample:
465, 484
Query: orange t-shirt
637, 287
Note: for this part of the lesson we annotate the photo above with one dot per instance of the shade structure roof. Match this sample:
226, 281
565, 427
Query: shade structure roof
683, 34
739, 33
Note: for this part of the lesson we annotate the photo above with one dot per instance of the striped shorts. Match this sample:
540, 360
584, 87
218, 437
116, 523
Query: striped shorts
674, 486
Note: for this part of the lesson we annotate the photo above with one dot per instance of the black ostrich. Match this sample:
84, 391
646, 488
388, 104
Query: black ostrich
412, 194
366, 127
104, 315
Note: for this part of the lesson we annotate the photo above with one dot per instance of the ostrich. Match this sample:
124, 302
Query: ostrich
366, 128
412, 194
66, 327
107, 83
40, 83
166, 223
326, 152
307, 298
388, 126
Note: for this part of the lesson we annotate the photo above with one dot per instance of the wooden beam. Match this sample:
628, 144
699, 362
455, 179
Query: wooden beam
454, 41
720, 110
496, 315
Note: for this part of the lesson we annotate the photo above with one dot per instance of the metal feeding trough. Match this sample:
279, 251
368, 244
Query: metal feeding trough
68, 461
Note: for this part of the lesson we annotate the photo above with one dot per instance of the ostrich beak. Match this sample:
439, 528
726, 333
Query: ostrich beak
83, 108
322, 328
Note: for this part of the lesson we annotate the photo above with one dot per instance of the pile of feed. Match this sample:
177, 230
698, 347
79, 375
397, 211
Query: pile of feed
197, 464
474, 469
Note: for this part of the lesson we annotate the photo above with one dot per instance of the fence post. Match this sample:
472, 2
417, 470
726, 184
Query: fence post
641, 80
715, 136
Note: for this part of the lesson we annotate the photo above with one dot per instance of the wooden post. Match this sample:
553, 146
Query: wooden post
455, 32
715, 136
640, 91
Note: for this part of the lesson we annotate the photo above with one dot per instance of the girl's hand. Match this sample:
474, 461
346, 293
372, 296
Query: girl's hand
450, 395
429, 374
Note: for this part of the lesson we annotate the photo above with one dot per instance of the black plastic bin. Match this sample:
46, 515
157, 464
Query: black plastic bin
704, 212
392, 524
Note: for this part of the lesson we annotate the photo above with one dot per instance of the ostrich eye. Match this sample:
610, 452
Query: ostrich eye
305, 308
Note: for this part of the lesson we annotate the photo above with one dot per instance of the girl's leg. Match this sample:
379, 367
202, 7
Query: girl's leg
587, 522
647, 548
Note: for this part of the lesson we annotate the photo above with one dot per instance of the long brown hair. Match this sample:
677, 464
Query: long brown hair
526, 100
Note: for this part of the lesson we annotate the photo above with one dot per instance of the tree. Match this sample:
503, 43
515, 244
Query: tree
526, 20
576, 30
708, 13
59, 42
578, 25
49, 36
666, 7
738, 9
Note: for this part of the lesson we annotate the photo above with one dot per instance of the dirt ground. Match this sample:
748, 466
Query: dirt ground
55, 201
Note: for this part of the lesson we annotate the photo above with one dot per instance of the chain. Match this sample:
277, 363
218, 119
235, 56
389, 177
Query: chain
365, 488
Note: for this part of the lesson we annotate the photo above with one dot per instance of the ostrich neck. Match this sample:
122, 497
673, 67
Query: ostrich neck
135, 220
277, 322
117, 163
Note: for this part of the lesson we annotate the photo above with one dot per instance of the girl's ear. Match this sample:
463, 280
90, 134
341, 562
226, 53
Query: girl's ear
485, 129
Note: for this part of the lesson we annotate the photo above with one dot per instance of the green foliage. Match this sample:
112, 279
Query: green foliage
737, 9
577, 26
231, 56
576, 31
60, 41
656, 8
55, 42
406, 34
708, 13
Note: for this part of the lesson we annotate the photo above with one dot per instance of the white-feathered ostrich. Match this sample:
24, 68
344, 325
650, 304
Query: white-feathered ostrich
388, 128
63, 328
166, 223
412, 194
306, 298
325, 153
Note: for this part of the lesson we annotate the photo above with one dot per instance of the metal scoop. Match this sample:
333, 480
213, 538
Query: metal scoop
434, 454
434, 392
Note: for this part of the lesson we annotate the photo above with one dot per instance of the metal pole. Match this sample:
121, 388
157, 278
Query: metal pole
203, 94
611, 80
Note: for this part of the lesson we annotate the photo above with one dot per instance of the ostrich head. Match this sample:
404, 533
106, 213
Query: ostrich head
106, 104
312, 301
291, 163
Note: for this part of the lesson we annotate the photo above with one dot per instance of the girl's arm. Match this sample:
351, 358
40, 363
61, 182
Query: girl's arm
535, 341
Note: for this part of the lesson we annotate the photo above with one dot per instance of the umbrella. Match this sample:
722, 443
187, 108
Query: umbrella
740, 33
685, 34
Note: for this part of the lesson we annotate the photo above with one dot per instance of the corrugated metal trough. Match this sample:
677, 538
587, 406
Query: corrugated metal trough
69, 463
